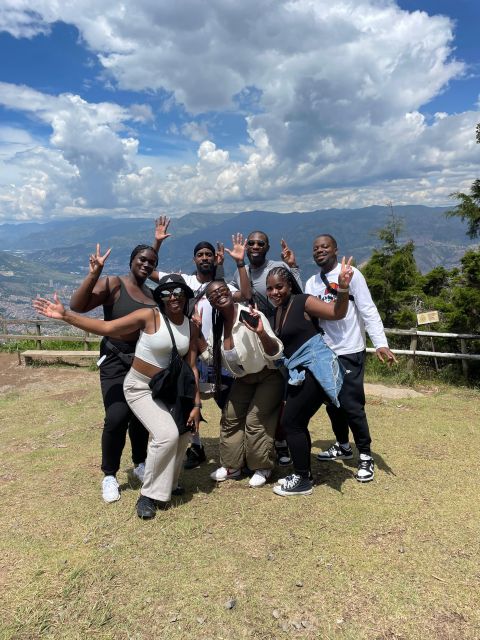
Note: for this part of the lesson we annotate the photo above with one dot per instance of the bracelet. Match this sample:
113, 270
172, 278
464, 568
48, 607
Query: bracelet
197, 405
240, 264
340, 290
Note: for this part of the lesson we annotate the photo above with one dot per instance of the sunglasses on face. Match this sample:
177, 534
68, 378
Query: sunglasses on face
217, 294
176, 293
259, 243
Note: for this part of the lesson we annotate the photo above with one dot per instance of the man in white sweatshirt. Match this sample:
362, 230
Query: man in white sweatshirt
347, 338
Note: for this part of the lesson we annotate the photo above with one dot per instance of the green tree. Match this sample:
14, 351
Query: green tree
393, 277
468, 207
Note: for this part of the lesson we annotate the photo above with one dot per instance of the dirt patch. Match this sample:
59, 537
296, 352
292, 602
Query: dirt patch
393, 393
14, 377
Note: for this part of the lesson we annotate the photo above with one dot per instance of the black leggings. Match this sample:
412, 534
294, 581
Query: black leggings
118, 416
302, 403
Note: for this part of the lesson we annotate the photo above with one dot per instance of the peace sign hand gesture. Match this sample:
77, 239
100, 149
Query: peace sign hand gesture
97, 261
287, 254
346, 273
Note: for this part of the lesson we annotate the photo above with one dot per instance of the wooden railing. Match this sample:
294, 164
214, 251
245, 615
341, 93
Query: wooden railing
35, 333
413, 352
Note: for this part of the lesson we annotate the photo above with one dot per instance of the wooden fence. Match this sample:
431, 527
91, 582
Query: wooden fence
413, 352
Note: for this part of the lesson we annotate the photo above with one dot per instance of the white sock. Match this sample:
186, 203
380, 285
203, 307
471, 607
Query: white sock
365, 456
345, 445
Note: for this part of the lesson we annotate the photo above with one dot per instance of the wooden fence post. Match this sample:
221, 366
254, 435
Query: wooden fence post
86, 343
39, 332
463, 349
413, 347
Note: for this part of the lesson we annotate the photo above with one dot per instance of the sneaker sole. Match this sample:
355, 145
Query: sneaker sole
363, 479
235, 477
278, 490
111, 501
325, 459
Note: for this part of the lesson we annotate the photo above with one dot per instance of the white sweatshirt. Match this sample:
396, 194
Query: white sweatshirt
348, 335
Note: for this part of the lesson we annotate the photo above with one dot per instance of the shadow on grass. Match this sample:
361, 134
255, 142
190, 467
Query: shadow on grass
334, 473
192, 480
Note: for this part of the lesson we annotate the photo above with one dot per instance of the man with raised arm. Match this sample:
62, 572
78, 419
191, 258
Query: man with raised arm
257, 247
347, 338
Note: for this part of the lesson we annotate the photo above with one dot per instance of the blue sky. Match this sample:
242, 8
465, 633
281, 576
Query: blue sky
219, 106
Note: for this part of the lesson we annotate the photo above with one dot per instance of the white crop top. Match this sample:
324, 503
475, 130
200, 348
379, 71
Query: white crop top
155, 348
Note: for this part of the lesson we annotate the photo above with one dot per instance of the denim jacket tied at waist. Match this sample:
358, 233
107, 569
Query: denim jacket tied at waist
322, 363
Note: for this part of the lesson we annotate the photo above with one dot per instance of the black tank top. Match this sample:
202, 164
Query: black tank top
292, 327
124, 305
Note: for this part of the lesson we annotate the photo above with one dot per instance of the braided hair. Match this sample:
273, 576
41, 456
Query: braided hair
286, 275
142, 247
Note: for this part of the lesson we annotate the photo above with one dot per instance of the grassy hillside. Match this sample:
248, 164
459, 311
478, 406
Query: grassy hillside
394, 559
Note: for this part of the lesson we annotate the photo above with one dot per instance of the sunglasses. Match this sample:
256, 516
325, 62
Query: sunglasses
176, 293
218, 293
259, 243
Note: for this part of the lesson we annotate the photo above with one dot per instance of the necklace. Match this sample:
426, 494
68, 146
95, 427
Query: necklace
281, 317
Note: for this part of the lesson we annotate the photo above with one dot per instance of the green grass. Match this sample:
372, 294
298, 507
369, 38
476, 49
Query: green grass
395, 559
57, 345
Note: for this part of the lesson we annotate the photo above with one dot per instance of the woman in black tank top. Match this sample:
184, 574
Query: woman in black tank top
296, 324
119, 296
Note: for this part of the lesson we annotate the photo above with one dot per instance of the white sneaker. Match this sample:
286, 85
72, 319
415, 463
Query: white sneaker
222, 473
110, 490
139, 471
260, 477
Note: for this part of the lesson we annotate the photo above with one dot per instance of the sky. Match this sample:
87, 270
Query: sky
144, 107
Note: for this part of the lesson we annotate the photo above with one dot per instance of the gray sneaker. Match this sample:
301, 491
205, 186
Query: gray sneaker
335, 452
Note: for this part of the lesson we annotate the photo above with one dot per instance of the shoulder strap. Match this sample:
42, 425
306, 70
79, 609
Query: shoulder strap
174, 345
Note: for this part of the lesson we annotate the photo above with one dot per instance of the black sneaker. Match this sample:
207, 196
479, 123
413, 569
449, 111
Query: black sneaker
146, 508
178, 491
283, 454
294, 486
365, 471
335, 452
195, 456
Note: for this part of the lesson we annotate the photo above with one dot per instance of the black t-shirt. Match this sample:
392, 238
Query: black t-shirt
293, 325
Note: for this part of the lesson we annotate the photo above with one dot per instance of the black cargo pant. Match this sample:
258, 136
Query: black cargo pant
118, 416
351, 412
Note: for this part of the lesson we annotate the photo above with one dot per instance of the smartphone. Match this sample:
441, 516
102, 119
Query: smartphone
247, 318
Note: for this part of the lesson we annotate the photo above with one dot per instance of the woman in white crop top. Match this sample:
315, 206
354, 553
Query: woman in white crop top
250, 415
166, 447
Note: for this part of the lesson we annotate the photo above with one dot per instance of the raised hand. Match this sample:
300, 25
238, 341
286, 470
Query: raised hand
253, 311
161, 228
197, 317
346, 273
49, 309
287, 254
219, 254
97, 261
237, 252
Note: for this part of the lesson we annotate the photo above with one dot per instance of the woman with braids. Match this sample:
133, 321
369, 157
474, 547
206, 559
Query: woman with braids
119, 296
158, 327
314, 372
243, 342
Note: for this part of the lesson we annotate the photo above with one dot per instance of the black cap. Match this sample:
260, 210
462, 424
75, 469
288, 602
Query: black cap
172, 281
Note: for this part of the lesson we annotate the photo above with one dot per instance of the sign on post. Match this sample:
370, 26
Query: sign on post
428, 318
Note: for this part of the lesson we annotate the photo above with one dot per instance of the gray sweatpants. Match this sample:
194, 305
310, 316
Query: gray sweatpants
166, 448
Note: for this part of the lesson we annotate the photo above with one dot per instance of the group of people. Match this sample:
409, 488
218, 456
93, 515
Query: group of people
272, 354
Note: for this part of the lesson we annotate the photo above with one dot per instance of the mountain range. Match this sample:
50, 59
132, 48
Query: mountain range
36, 257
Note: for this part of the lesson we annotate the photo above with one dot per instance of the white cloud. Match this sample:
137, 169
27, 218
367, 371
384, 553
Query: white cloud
335, 118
